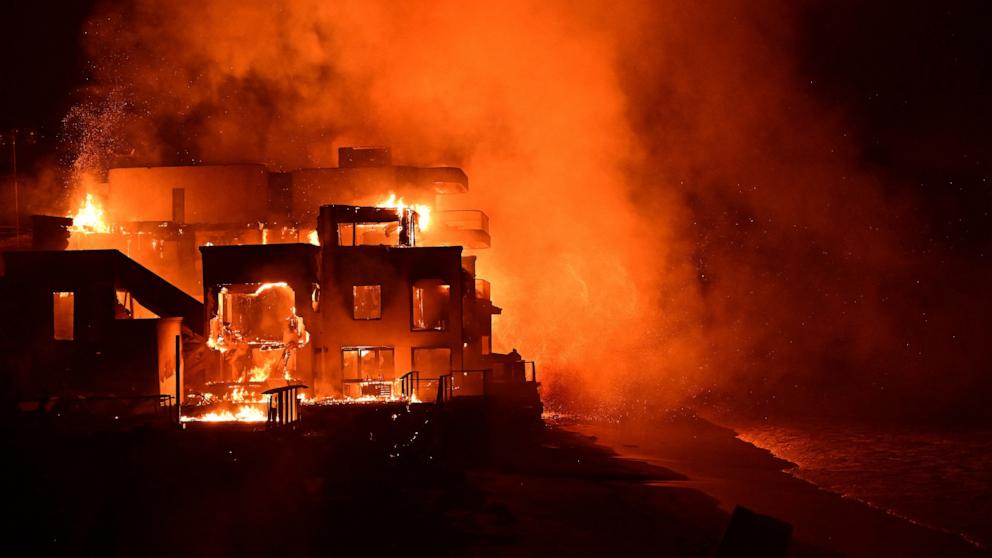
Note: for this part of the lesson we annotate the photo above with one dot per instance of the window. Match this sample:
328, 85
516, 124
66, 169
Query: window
430, 305
486, 345
368, 234
360, 363
347, 234
63, 315
432, 362
367, 302
258, 313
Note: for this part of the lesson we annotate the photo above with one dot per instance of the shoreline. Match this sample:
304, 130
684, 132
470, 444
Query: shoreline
793, 471
734, 471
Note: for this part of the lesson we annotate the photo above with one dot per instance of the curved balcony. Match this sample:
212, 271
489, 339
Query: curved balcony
461, 227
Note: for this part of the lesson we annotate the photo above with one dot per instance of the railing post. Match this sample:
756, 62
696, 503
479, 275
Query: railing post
179, 387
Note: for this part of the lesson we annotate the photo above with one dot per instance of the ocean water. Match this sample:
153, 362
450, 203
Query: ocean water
937, 479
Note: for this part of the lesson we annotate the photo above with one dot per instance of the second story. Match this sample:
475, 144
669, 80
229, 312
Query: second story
387, 293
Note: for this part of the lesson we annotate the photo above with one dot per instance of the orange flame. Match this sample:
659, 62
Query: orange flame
89, 218
423, 211
244, 413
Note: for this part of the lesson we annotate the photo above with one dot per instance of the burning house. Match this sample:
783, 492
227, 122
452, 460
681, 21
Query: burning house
325, 282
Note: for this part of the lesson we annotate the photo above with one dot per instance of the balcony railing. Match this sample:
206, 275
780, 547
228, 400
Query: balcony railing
464, 220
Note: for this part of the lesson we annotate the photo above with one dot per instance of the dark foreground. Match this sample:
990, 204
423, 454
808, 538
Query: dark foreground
416, 481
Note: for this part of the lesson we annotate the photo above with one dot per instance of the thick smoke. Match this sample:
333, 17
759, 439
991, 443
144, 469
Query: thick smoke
674, 215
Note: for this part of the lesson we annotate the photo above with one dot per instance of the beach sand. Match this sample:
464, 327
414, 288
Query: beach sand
666, 489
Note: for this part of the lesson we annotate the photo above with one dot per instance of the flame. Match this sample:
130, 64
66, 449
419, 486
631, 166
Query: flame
258, 374
241, 394
313, 238
269, 356
266, 286
361, 399
89, 218
423, 211
244, 413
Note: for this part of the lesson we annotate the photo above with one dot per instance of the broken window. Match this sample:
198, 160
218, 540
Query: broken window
257, 330
360, 363
368, 234
432, 362
63, 315
431, 301
367, 302
259, 314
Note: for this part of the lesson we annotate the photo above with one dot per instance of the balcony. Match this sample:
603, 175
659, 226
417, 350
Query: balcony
461, 227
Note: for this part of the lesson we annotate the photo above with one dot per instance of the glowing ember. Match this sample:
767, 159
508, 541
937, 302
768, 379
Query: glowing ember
423, 211
89, 218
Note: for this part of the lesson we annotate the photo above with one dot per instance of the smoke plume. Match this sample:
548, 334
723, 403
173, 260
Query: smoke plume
675, 215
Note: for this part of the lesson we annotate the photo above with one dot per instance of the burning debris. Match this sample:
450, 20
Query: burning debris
256, 332
89, 218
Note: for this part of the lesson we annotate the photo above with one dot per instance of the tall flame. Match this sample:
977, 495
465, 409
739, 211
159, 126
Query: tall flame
423, 211
89, 218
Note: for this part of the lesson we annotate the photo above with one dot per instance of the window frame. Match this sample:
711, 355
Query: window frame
354, 308
446, 313
358, 349
71, 295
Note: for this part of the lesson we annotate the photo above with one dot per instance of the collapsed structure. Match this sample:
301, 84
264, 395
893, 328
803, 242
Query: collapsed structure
324, 282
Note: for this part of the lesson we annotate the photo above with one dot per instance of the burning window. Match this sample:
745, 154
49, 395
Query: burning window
367, 302
432, 362
368, 234
260, 315
431, 301
257, 329
63, 315
361, 363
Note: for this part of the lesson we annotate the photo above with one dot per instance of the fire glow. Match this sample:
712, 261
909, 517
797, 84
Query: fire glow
244, 413
423, 211
89, 218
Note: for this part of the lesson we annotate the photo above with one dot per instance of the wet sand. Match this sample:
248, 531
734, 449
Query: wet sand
736, 473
